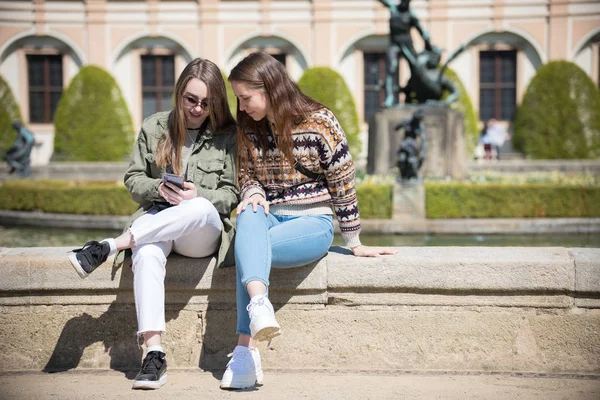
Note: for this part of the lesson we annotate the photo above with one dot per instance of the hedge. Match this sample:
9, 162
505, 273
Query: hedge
442, 200
63, 197
108, 198
374, 201
465, 200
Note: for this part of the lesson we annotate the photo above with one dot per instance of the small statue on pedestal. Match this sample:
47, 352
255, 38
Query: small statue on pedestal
413, 149
18, 155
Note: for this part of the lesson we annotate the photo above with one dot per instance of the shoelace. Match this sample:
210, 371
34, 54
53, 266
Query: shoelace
259, 302
237, 357
152, 363
92, 251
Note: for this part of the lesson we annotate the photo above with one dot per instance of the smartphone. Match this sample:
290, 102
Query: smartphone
173, 179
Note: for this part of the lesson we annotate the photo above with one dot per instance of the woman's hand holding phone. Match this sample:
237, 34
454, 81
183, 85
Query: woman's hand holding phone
174, 195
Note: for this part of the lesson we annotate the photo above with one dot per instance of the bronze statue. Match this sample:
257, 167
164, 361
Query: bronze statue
402, 20
413, 148
427, 82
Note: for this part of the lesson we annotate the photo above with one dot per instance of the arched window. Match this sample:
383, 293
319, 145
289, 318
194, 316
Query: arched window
45, 85
158, 79
497, 84
374, 77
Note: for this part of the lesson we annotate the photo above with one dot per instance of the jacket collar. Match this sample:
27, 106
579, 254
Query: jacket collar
163, 122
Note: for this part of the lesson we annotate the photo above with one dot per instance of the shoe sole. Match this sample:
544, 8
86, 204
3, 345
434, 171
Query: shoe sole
267, 333
150, 384
77, 266
231, 386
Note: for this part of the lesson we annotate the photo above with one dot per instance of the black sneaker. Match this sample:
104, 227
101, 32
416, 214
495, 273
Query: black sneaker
86, 259
153, 373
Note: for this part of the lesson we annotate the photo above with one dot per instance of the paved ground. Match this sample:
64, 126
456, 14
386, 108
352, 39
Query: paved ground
288, 385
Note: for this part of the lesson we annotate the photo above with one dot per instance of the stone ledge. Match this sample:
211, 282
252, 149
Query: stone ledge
427, 308
484, 272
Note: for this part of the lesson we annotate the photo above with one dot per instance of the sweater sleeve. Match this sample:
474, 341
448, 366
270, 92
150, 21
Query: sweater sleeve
249, 185
340, 174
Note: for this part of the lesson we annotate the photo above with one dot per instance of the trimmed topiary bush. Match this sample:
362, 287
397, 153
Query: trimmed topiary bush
328, 87
231, 99
92, 120
560, 114
9, 112
464, 105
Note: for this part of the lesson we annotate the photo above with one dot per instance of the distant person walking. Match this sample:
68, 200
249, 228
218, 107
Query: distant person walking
493, 138
18, 156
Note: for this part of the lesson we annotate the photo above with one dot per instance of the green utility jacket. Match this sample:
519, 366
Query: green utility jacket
210, 167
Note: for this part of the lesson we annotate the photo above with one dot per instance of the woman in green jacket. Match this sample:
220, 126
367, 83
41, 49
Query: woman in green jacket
195, 142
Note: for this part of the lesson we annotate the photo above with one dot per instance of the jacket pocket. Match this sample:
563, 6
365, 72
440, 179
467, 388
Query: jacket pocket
155, 172
208, 173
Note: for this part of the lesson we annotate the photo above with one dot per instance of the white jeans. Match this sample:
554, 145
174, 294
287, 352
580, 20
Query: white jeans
192, 229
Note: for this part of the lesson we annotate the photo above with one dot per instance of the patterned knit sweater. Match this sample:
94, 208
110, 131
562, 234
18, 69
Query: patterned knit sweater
320, 145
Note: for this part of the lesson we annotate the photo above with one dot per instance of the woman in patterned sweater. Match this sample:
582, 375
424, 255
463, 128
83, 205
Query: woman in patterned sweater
295, 171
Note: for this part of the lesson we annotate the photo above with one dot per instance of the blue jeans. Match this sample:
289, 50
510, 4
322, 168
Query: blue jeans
277, 241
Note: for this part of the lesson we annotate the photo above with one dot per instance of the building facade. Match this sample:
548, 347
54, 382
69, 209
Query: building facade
145, 44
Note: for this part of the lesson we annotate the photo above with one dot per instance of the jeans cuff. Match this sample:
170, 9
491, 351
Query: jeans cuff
255, 278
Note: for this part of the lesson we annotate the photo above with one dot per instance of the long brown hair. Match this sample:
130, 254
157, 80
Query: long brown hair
219, 117
287, 105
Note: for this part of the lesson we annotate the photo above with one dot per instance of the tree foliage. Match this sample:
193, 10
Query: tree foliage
559, 117
326, 86
92, 120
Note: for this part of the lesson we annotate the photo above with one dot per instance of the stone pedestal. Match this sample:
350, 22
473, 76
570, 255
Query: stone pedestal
445, 134
409, 200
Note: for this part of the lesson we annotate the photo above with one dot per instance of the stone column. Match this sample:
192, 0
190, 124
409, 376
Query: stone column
409, 200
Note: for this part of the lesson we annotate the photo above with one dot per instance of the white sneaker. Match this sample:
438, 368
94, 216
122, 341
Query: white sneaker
263, 325
244, 370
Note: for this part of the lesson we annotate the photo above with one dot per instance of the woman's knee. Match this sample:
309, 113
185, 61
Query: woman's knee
198, 207
148, 256
248, 215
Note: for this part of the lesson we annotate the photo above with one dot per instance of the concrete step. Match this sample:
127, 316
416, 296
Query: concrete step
303, 384
425, 308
